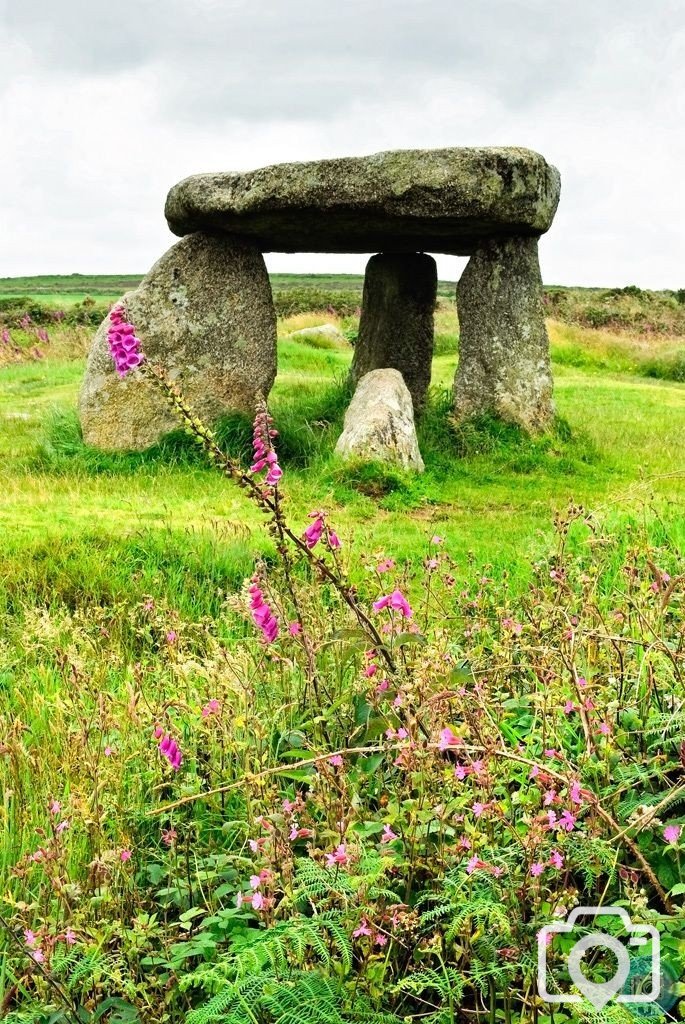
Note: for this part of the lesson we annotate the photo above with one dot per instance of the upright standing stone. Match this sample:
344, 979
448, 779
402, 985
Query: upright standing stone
396, 326
205, 314
504, 364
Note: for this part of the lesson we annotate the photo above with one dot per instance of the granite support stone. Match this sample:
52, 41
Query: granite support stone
504, 363
396, 326
205, 313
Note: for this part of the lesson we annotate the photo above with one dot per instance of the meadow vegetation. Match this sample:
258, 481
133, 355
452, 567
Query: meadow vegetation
468, 720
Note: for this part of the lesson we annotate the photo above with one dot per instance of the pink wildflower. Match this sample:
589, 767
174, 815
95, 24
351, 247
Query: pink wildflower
168, 748
255, 881
61, 826
336, 760
6, 337
338, 857
537, 869
362, 929
294, 628
396, 601
124, 346
334, 541
388, 834
257, 901
70, 937
478, 808
386, 565
262, 616
312, 535
672, 833
569, 707
30, 938
604, 729
448, 739
264, 455
55, 807
212, 707
171, 637
38, 955
125, 855
169, 836
566, 821
380, 939
474, 864
108, 751
556, 860
575, 793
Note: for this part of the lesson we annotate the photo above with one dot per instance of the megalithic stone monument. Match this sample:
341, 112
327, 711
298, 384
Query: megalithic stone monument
205, 309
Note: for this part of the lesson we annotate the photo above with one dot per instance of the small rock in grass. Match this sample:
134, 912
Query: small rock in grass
379, 423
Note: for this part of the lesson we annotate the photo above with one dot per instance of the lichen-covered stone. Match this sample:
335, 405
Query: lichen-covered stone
321, 333
439, 200
379, 423
205, 314
504, 363
396, 326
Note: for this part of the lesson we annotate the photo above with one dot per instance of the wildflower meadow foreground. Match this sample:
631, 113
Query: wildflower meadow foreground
362, 793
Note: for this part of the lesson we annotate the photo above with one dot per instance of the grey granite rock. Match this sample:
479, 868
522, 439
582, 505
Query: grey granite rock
504, 363
437, 200
379, 423
205, 313
396, 326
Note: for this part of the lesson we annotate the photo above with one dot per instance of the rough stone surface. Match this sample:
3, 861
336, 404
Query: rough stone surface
327, 332
205, 313
441, 200
396, 326
504, 364
379, 423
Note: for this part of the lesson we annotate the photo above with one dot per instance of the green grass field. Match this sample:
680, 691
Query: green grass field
96, 525
123, 612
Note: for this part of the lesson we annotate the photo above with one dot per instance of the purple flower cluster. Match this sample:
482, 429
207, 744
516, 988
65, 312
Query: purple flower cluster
262, 615
6, 337
123, 343
169, 748
264, 456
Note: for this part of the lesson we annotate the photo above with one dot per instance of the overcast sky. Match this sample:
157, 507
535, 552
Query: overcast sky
104, 105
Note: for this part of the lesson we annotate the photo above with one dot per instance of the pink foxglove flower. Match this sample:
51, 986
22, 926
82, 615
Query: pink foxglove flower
124, 346
312, 535
262, 616
396, 601
263, 454
168, 748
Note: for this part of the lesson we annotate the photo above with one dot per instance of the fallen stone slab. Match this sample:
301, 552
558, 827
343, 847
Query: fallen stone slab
379, 422
205, 314
437, 200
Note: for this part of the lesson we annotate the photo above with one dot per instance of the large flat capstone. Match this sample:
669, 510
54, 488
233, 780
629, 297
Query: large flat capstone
435, 200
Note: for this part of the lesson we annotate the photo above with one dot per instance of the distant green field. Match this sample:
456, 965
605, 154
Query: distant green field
62, 290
